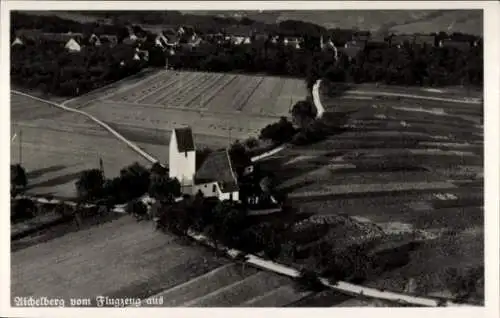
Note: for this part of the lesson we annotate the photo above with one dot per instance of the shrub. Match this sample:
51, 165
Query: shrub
279, 132
163, 188
18, 179
251, 143
22, 209
309, 280
90, 185
137, 208
303, 113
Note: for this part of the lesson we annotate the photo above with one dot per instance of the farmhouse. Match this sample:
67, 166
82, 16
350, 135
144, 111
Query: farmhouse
72, 46
214, 177
94, 40
17, 41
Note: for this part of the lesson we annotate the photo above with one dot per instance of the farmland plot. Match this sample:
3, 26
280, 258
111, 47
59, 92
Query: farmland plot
228, 97
261, 101
56, 146
217, 92
23, 108
181, 97
160, 119
143, 88
93, 262
406, 166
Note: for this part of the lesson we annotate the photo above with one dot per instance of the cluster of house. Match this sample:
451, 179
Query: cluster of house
171, 38
185, 36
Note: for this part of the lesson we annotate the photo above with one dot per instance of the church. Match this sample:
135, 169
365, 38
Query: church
214, 177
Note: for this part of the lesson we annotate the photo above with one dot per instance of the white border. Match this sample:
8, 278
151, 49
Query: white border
492, 86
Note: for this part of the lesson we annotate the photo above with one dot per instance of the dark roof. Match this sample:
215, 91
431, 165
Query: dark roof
185, 140
217, 167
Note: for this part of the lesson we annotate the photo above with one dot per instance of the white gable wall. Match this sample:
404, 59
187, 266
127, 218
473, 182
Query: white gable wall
209, 190
73, 46
212, 189
17, 41
228, 195
181, 165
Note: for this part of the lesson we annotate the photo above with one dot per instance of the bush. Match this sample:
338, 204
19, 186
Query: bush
22, 209
133, 182
137, 208
279, 132
163, 188
303, 113
18, 179
90, 185
309, 280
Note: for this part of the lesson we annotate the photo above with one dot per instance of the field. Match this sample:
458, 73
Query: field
219, 107
405, 166
93, 261
54, 146
397, 21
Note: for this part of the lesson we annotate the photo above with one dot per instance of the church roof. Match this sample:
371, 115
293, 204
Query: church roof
217, 167
185, 140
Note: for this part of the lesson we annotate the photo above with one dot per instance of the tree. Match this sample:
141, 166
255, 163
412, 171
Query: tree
90, 185
242, 259
303, 113
251, 143
134, 180
18, 179
309, 280
137, 208
279, 132
229, 222
163, 188
22, 209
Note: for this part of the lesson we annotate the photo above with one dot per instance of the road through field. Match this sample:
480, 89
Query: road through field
55, 146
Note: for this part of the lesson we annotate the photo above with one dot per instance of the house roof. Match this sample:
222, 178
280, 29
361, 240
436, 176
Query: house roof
185, 140
217, 167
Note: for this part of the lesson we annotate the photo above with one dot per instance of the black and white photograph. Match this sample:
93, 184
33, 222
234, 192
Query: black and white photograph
247, 158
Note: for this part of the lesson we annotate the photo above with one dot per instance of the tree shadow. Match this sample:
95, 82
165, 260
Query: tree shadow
389, 259
39, 172
55, 181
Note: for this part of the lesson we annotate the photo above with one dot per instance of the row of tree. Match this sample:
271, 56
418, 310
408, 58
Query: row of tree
48, 66
409, 65
54, 70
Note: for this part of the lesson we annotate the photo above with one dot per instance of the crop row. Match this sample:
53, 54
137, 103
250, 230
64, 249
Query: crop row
143, 88
179, 98
208, 93
244, 95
